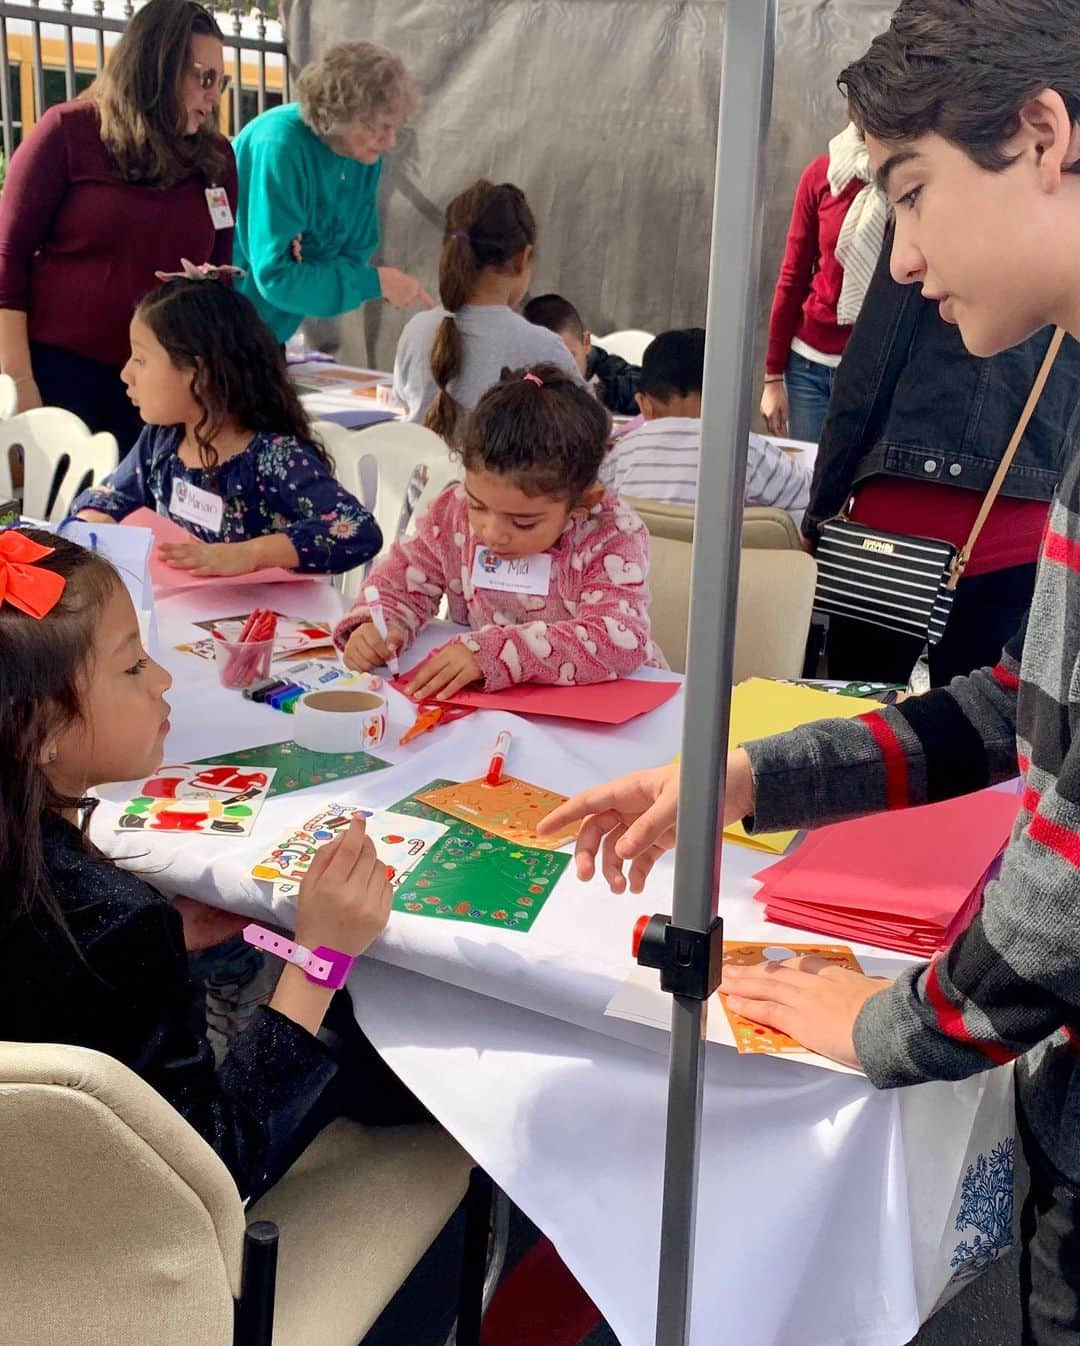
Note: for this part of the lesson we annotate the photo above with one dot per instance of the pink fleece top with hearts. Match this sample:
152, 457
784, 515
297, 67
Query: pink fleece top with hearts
592, 626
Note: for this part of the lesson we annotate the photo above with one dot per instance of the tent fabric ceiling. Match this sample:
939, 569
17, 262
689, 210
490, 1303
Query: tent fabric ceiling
604, 112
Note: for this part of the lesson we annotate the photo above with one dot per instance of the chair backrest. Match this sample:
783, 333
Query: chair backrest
9, 397
765, 526
358, 472
54, 445
401, 448
629, 343
776, 596
664, 520
117, 1215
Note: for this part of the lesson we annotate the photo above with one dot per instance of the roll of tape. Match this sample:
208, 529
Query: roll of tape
340, 720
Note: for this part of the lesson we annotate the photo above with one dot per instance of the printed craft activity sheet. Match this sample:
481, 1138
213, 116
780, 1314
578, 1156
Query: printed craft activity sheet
213, 798
510, 809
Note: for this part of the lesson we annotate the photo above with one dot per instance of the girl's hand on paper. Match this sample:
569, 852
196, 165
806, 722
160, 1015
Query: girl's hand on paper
448, 671
344, 899
809, 998
634, 818
365, 649
209, 558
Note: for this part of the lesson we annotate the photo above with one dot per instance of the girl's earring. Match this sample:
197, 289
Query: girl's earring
53, 755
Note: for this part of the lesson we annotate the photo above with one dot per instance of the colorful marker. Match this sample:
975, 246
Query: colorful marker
498, 758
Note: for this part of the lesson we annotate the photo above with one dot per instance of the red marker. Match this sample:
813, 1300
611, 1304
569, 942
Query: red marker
498, 758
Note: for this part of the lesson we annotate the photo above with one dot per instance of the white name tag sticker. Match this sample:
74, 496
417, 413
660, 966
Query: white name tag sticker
513, 575
194, 505
217, 202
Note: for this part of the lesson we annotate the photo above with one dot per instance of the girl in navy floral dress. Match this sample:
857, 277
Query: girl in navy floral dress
227, 451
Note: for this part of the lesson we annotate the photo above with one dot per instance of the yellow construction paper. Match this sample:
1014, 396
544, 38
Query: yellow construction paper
760, 708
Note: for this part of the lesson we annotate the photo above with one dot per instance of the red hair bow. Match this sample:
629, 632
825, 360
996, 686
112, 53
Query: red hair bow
23, 583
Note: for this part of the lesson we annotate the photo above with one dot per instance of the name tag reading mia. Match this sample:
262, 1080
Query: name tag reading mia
514, 574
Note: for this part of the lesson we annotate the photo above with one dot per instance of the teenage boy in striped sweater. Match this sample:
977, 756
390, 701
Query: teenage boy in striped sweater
971, 112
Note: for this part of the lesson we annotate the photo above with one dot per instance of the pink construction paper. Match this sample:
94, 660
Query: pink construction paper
169, 579
898, 879
599, 702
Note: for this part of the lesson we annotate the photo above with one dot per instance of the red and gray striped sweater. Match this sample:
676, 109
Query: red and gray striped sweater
1010, 985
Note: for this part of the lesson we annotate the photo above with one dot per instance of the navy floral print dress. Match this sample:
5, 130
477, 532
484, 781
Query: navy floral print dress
278, 484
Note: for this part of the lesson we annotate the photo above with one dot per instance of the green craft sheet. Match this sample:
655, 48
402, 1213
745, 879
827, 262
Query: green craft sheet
470, 875
300, 768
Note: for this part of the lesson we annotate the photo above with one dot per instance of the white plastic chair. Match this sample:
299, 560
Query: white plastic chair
9, 397
401, 448
629, 343
60, 457
358, 471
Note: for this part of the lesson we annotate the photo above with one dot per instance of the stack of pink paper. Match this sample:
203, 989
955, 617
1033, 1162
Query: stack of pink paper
909, 880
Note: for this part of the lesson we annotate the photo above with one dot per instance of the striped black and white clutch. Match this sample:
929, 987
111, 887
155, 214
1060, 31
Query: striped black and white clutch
886, 579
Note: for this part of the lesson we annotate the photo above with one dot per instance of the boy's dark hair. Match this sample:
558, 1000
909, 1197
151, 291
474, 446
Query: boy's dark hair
673, 364
963, 69
555, 313
237, 368
484, 226
549, 439
42, 665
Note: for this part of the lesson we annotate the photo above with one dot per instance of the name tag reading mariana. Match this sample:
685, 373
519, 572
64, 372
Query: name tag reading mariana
194, 505
514, 575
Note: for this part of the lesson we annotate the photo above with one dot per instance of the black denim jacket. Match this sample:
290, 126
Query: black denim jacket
909, 401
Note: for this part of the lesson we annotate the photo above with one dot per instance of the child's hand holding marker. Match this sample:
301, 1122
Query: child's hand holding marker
368, 648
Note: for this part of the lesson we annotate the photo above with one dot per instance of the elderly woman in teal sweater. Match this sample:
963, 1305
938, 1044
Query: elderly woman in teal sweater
306, 224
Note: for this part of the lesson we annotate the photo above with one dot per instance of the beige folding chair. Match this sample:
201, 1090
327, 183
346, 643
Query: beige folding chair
628, 343
776, 595
122, 1227
766, 527
664, 520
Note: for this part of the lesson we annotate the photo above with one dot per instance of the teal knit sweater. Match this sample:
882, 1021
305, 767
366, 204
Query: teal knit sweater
291, 183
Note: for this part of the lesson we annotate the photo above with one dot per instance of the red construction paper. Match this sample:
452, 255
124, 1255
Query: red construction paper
169, 579
600, 702
898, 880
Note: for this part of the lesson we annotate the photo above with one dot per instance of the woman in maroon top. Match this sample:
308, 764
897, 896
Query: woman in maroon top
833, 243
103, 192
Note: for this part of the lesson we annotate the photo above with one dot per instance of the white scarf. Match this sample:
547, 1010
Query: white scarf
863, 231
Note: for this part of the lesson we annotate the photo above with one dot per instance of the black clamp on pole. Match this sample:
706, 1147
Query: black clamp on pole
690, 961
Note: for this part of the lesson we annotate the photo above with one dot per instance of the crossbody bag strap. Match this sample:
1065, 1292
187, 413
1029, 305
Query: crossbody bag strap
960, 560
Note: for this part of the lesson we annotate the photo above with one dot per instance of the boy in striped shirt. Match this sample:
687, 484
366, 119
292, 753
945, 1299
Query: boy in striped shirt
971, 113
659, 460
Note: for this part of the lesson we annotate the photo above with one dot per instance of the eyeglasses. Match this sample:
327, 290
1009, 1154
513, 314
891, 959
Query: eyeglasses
208, 77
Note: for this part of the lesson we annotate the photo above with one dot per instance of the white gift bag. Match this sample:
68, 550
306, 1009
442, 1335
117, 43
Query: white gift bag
129, 551
960, 1150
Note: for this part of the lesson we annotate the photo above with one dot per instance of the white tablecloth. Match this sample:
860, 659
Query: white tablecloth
805, 1235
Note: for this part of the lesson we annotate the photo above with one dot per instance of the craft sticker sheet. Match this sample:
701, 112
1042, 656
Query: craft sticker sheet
214, 798
510, 809
754, 1037
400, 843
294, 637
299, 768
474, 876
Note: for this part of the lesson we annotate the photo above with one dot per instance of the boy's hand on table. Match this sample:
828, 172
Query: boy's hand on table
633, 818
445, 673
809, 998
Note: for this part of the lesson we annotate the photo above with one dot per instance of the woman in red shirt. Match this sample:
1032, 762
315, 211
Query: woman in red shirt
833, 243
103, 192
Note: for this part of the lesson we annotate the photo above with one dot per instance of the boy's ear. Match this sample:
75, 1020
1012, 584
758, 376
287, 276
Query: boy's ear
1045, 129
646, 405
586, 340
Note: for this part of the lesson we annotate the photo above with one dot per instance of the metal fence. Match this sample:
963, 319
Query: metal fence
259, 68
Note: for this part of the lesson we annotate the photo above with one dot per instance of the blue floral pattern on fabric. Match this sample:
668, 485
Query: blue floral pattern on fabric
986, 1205
278, 484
